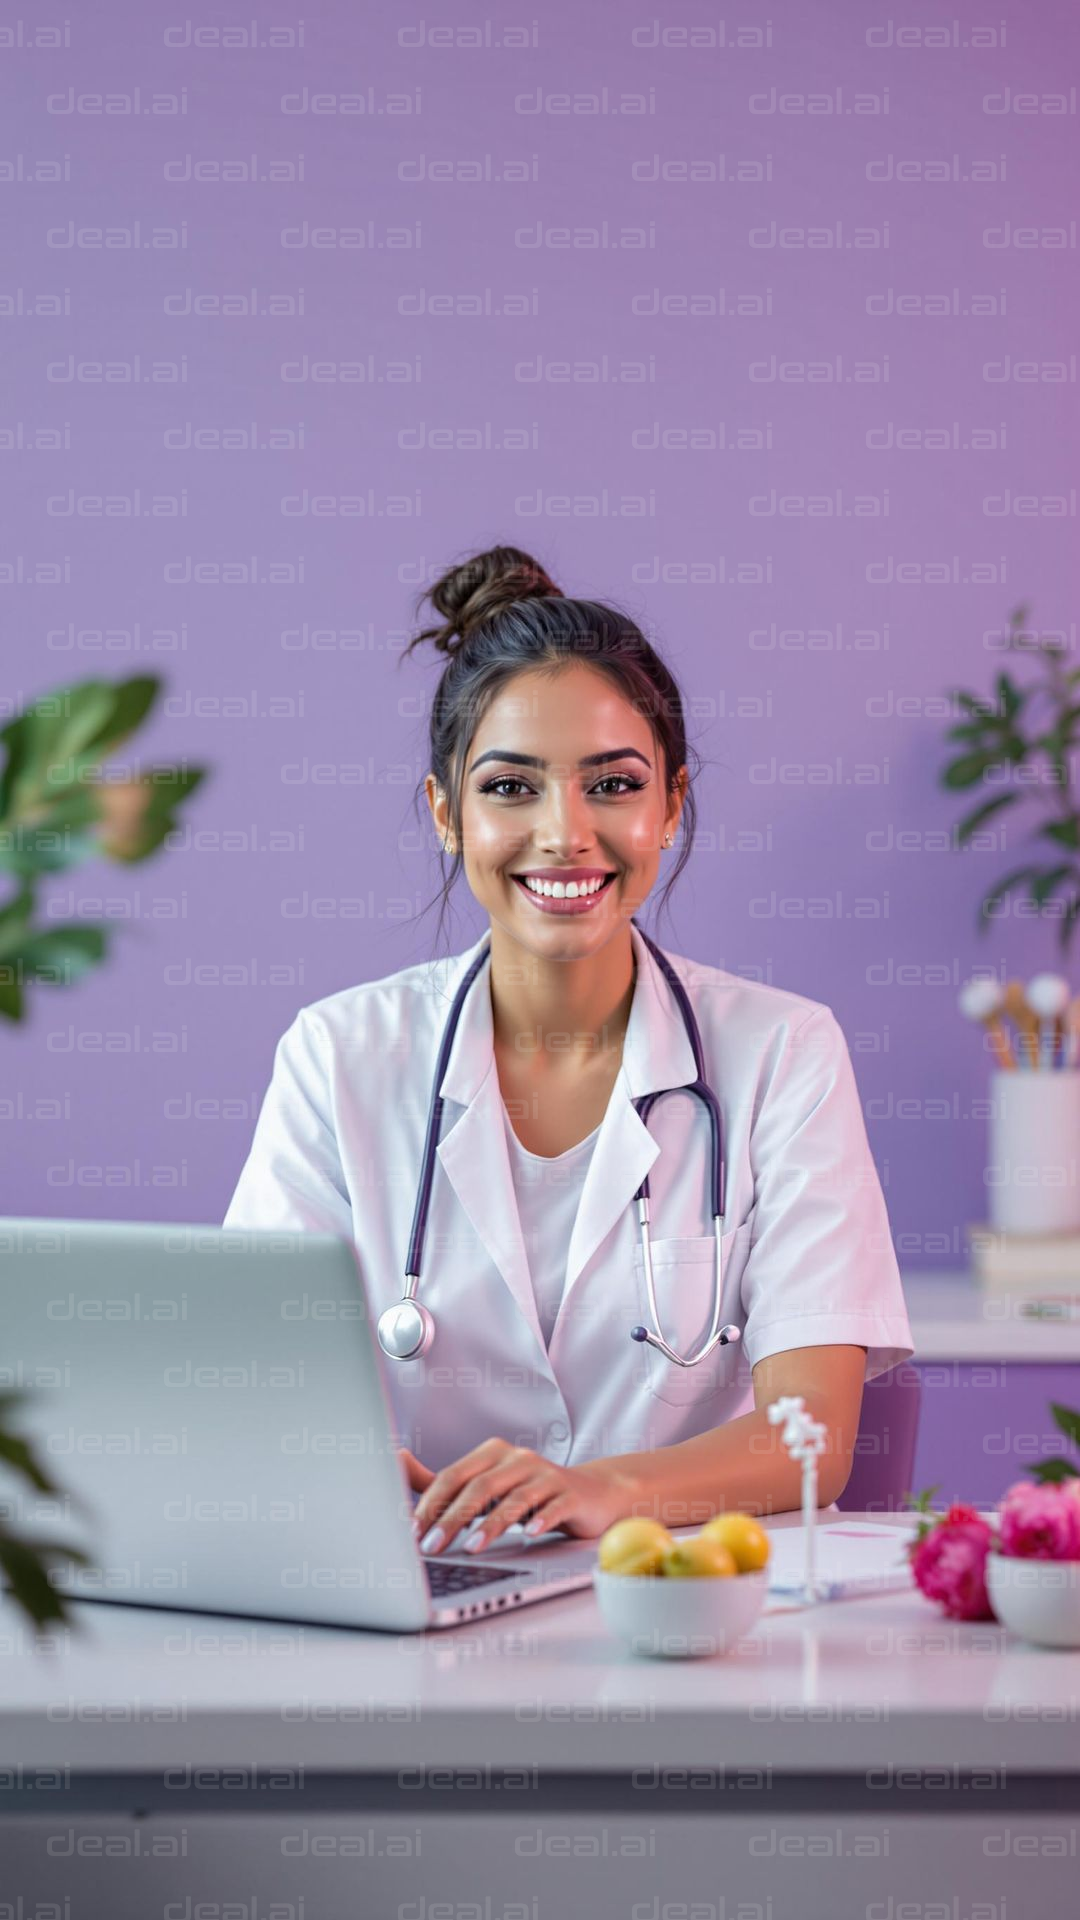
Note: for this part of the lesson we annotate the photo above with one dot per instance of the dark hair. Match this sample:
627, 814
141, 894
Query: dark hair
501, 615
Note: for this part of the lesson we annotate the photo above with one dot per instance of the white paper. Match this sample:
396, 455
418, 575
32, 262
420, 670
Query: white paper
850, 1557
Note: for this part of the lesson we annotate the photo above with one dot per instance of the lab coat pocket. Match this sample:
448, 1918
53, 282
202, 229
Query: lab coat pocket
684, 1274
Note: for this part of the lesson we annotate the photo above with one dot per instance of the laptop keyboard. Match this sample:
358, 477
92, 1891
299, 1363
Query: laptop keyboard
445, 1577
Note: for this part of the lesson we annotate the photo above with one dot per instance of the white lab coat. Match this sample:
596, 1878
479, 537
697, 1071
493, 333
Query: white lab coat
808, 1255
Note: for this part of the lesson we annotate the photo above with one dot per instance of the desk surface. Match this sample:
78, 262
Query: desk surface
886, 1682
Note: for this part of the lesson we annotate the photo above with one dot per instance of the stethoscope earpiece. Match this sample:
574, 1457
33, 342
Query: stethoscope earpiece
723, 1337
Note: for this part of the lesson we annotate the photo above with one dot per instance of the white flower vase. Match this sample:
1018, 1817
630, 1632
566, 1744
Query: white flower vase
1038, 1599
1033, 1178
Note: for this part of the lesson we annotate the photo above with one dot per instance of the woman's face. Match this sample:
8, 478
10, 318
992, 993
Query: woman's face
531, 806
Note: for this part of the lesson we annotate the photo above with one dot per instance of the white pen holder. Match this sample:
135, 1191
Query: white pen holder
1033, 1176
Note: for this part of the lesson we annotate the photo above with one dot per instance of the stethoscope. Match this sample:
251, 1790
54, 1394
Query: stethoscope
406, 1330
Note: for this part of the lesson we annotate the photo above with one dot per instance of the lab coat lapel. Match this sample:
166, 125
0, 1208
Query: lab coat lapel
473, 1151
656, 1054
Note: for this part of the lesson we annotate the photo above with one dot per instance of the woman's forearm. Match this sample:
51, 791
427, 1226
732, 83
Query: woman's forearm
742, 1464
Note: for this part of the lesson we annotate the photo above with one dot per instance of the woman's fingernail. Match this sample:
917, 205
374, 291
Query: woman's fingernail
416, 1525
432, 1541
534, 1526
473, 1541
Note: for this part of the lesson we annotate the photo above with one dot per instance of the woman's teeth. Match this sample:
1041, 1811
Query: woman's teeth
571, 890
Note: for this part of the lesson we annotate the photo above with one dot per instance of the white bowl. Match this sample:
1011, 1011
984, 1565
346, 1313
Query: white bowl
1038, 1599
680, 1618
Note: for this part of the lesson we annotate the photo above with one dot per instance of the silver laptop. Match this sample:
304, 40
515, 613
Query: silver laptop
212, 1408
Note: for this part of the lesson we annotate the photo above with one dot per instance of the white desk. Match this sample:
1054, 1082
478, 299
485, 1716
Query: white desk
860, 1752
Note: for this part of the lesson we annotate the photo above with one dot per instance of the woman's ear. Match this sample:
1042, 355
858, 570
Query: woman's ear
675, 805
439, 803
431, 790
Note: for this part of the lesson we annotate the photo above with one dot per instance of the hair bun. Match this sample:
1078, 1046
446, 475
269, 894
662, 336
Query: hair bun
469, 594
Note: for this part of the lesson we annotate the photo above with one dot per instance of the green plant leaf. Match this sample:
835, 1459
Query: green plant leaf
70, 949
25, 1566
968, 769
1065, 832
34, 850
10, 1398
1048, 883
1068, 922
54, 834
21, 1458
981, 709
1056, 749
25, 1562
967, 730
1053, 1472
920, 1502
52, 730
11, 999
15, 922
18, 1454
1010, 697
163, 789
997, 893
132, 701
61, 736
1067, 1419
973, 821
75, 807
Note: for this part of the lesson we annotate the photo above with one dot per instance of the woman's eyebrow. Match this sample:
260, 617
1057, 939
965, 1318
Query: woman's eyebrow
532, 760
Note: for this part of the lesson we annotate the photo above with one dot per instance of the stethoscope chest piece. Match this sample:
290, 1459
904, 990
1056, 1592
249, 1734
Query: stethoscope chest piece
406, 1330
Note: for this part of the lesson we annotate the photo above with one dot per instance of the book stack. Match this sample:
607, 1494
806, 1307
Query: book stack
1039, 1265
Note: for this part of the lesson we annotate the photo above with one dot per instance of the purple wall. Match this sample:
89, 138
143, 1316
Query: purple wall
672, 309
983, 1425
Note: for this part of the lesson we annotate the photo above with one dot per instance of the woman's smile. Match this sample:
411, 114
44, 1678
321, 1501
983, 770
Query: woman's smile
578, 892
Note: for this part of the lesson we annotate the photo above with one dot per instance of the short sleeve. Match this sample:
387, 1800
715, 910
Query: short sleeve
292, 1179
822, 1268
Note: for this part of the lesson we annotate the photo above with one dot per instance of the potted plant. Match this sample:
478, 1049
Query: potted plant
1032, 726
61, 805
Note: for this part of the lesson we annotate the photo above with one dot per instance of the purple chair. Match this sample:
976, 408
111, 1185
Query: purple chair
884, 1456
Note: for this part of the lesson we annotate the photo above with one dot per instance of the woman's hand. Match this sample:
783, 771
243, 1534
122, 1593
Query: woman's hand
419, 1475
505, 1483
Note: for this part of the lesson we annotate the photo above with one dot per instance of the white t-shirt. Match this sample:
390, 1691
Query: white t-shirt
548, 1190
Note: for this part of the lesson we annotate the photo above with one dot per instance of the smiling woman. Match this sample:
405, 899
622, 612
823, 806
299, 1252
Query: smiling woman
529, 1368
558, 756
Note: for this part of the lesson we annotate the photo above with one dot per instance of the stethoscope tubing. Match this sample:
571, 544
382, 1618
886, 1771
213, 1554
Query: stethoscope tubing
407, 1329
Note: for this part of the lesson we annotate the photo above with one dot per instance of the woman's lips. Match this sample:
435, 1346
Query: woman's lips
546, 903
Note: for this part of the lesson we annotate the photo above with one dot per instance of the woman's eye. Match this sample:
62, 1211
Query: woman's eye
507, 780
629, 785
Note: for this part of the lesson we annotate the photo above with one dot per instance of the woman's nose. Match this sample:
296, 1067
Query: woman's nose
564, 826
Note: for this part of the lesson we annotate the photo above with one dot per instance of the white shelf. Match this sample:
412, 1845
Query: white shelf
954, 1318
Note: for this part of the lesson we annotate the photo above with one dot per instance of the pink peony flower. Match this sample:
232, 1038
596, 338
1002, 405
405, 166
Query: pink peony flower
1040, 1522
961, 1515
949, 1564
